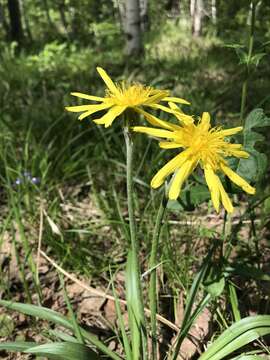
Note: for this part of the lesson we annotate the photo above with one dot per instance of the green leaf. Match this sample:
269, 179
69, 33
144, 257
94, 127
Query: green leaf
255, 59
214, 281
6, 325
253, 168
249, 272
189, 316
126, 344
216, 287
133, 305
57, 350
51, 315
256, 119
199, 194
16, 346
236, 336
64, 351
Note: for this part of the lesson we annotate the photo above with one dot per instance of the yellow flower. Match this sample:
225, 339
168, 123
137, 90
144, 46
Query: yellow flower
119, 97
202, 145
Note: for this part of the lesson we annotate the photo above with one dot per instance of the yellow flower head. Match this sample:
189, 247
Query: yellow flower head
202, 145
119, 97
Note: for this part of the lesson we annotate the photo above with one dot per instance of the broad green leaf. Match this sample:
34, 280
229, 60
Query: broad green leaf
199, 194
56, 318
236, 336
256, 119
214, 281
64, 351
253, 168
248, 357
216, 287
19, 346
57, 350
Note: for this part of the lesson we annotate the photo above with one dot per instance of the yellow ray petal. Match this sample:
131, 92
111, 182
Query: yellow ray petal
169, 168
180, 115
153, 120
169, 145
88, 97
238, 180
225, 198
159, 96
78, 108
238, 153
156, 132
213, 185
176, 100
93, 108
205, 122
108, 118
232, 131
179, 179
108, 81
161, 107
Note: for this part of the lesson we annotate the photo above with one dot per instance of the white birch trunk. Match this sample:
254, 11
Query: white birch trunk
214, 11
197, 18
133, 28
144, 15
192, 8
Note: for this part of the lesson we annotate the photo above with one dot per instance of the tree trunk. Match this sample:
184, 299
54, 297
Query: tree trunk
134, 44
47, 12
122, 14
214, 11
197, 18
192, 8
16, 33
61, 8
145, 25
26, 22
3, 20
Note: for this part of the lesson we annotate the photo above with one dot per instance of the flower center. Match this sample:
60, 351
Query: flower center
132, 95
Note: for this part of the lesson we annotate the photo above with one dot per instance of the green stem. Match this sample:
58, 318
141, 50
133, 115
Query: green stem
132, 228
250, 50
153, 276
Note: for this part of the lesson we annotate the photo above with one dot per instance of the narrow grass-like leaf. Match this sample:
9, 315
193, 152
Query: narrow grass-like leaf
188, 316
16, 346
238, 335
133, 306
56, 318
126, 344
76, 327
234, 302
64, 351
60, 335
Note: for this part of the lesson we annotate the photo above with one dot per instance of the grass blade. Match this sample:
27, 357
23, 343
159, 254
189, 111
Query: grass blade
238, 335
126, 344
64, 351
56, 318
16, 346
133, 305
234, 302
188, 316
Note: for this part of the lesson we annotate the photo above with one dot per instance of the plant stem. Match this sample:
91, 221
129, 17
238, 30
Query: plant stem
132, 228
153, 276
250, 50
